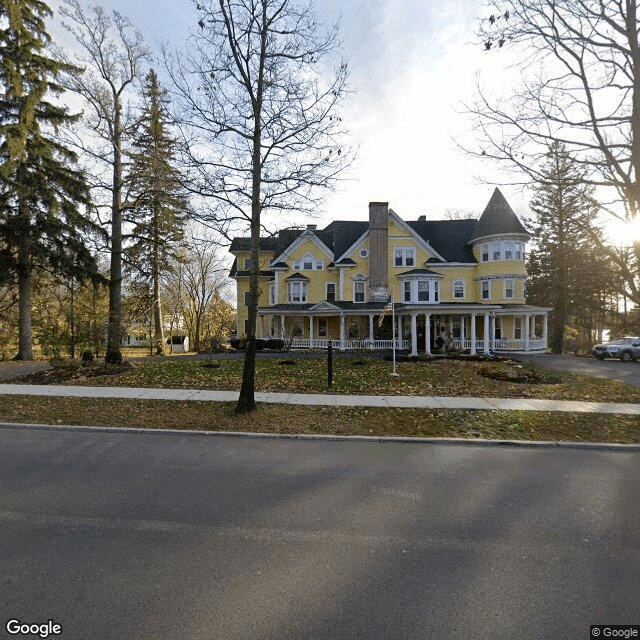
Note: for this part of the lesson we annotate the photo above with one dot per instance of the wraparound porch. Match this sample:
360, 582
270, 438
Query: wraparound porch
474, 329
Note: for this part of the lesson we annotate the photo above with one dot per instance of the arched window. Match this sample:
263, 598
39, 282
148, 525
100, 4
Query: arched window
458, 289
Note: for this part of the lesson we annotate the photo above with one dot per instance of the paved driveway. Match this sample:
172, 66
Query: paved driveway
123, 536
10, 369
626, 372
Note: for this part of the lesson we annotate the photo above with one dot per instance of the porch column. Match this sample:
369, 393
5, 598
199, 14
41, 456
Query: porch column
370, 331
532, 331
282, 327
311, 332
473, 334
526, 332
427, 333
462, 336
342, 331
545, 328
414, 335
493, 333
486, 334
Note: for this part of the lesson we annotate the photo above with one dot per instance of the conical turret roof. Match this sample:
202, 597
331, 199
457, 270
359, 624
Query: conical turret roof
498, 218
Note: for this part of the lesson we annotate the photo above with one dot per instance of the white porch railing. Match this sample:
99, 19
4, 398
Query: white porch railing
535, 344
323, 343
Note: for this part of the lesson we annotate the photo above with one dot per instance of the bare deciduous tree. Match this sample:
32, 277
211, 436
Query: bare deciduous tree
580, 72
254, 91
112, 56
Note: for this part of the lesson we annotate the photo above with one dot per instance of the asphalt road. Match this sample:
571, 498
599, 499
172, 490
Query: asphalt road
175, 536
625, 372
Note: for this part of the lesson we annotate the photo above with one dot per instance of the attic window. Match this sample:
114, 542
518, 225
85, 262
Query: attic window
363, 253
404, 257
307, 263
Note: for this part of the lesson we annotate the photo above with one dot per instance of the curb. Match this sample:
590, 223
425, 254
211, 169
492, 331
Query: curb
533, 444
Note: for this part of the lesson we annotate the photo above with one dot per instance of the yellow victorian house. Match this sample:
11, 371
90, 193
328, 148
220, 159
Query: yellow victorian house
454, 283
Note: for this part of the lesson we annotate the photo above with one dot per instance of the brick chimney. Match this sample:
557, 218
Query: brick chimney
378, 251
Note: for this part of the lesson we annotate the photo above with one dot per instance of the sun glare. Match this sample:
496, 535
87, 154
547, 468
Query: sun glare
623, 234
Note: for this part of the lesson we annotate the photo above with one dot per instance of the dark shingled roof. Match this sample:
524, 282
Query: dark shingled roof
422, 272
297, 276
451, 239
448, 237
498, 218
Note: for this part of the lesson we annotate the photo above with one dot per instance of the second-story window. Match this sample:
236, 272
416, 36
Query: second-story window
423, 290
247, 298
508, 288
248, 263
358, 291
485, 253
458, 289
407, 290
485, 289
331, 291
297, 292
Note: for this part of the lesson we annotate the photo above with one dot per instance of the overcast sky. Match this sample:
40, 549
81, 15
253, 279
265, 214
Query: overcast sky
413, 64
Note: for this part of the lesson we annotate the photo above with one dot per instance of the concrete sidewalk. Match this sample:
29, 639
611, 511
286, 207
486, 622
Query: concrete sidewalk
400, 402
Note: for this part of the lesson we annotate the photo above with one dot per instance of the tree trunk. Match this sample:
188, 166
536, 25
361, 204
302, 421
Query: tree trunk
157, 308
246, 400
113, 355
25, 337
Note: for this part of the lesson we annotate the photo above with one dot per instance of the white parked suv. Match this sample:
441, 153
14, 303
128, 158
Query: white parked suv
627, 349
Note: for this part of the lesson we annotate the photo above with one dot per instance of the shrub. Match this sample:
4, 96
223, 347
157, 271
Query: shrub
275, 344
87, 357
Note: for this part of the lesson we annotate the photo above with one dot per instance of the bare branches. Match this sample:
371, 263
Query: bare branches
256, 67
580, 85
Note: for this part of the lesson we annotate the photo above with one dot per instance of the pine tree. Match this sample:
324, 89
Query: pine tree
158, 202
41, 195
567, 240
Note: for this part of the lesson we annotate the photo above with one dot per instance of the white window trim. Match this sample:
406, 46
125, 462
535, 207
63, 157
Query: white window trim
364, 291
433, 290
482, 283
272, 295
406, 251
335, 290
303, 291
500, 247
513, 288
464, 289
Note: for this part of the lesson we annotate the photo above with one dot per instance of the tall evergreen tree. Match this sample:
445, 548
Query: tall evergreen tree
568, 241
158, 202
42, 194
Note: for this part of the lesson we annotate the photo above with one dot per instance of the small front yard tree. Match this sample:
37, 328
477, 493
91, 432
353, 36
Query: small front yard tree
254, 86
